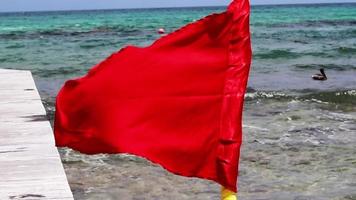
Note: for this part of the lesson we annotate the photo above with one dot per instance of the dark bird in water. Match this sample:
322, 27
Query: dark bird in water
320, 77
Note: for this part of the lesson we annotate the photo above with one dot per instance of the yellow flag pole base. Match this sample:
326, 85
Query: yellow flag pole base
227, 194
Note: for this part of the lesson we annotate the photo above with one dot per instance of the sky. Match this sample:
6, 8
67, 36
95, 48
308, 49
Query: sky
40, 5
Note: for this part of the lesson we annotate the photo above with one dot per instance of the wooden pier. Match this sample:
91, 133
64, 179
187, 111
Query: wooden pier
30, 165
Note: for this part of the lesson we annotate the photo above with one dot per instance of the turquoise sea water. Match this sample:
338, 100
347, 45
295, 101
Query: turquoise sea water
300, 134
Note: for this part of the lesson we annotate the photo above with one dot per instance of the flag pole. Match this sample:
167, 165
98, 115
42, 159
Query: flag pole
227, 194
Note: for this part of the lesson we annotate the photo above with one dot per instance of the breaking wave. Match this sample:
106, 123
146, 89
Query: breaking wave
342, 97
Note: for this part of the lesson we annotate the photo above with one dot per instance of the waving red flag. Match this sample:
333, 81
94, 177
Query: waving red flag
177, 102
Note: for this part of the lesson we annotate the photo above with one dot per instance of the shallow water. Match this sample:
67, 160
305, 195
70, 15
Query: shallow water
299, 134
295, 147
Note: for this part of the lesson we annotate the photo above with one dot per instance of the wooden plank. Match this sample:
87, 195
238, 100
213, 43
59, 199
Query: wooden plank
30, 166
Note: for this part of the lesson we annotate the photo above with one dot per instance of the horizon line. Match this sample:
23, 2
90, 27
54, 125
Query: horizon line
144, 8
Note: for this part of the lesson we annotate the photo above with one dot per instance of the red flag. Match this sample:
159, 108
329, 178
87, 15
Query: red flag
177, 102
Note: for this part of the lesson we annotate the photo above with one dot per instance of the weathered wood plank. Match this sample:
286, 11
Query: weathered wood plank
30, 166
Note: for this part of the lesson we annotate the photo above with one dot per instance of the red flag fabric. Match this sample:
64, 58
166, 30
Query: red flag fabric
177, 102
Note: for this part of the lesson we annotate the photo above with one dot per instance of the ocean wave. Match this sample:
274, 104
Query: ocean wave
12, 59
115, 29
342, 97
273, 95
315, 23
119, 30
277, 53
335, 67
311, 23
15, 46
94, 43
288, 54
305, 36
61, 71
346, 50
336, 97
